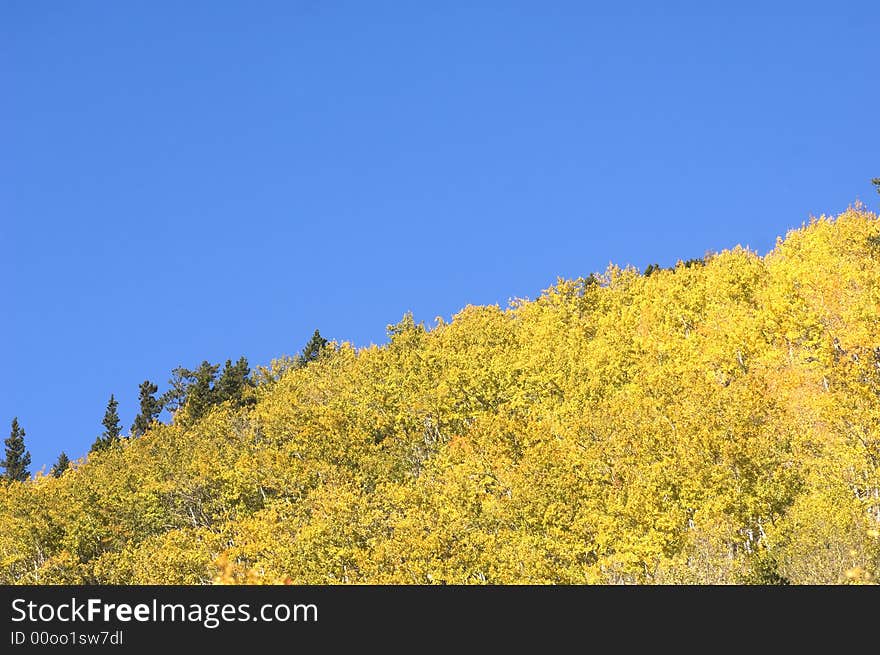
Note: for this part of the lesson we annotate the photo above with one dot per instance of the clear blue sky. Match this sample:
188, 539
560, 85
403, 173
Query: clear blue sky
183, 181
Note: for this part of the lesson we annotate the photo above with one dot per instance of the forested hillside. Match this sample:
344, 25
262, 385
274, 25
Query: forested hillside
717, 422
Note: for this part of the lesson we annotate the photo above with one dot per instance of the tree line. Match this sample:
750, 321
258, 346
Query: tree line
190, 395
712, 424
192, 392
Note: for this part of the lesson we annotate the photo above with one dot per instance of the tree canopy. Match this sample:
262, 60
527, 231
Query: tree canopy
711, 423
112, 426
150, 408
17, 458
60, 466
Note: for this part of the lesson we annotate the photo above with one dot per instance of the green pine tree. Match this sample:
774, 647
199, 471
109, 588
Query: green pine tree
696, 261
150, 408
112, 426
876, 182
178, 388
201, 393
233, 382
17, 458
60, 466
312, 350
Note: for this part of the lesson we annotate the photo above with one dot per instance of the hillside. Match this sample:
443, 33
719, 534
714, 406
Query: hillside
717, 422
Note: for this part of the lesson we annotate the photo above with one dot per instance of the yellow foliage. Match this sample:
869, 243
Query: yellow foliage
717, 423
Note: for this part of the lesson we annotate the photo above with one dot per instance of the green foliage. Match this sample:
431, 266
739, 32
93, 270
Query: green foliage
201, 394
178, 386
112, 427
689, 263
17, 459
150, 408
192, 393
234, 384
312, 349
60, 466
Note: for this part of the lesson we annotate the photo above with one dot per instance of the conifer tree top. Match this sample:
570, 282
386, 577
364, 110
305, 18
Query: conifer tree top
17, 458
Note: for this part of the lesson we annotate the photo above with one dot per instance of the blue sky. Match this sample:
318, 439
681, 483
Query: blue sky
204, 180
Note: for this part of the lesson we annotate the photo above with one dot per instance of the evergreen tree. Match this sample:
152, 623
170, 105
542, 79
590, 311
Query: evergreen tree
149, 408
696, 261
112, 426
17, 457
178, 388
651, 269
876, 182
232, 382
313, 349
61, 465
201, 393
